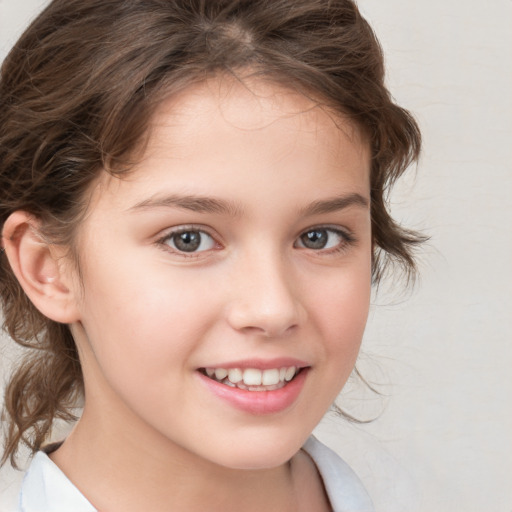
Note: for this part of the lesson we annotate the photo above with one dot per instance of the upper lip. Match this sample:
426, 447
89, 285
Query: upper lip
261, 364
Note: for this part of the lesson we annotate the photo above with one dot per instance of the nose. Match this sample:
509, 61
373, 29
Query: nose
265, 298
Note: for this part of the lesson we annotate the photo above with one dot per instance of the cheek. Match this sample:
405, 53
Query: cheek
340, 308
338, 305
142, 324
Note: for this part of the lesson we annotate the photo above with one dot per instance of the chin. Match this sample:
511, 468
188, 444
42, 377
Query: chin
258, 462
253, 455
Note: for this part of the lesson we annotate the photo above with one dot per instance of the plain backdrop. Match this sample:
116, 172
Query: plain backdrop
441, 354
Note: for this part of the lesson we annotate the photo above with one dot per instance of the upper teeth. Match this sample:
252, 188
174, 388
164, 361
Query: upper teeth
253, 376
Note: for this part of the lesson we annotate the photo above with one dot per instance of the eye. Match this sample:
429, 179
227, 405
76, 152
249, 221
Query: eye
189, 240
322, 238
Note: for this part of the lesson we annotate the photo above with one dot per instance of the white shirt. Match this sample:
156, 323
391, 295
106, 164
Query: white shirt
45, 488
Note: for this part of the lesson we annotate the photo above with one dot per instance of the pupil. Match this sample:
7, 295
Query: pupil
316, 239
188, 241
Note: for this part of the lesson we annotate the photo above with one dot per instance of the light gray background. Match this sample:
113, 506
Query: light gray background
441, 354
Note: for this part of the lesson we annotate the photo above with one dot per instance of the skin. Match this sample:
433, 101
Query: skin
146, 316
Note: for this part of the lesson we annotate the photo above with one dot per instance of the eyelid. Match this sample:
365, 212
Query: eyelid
348, 239
161, 241
346, 234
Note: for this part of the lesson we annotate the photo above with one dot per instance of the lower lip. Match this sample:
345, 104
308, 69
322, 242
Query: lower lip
258, 402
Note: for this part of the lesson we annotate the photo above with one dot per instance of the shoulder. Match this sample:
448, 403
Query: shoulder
344, 488
45, 488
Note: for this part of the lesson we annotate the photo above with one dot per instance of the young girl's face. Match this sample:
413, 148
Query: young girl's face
235, 257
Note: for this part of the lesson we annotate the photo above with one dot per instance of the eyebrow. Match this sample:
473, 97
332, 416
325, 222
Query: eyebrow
194, 203
335, 204
213, 205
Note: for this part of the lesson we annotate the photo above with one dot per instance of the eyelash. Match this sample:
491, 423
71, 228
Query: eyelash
347, 240
164, 241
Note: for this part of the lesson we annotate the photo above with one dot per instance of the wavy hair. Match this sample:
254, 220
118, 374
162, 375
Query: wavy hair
78, 90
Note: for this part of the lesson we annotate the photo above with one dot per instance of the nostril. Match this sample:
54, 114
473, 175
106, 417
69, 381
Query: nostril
269, 331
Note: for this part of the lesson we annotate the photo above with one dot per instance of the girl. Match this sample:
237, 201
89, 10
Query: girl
192, 210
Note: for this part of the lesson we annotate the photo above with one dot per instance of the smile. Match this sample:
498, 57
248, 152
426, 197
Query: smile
253, 379
257, 388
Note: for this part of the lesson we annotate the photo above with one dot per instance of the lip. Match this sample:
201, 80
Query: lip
258, 402
261, 364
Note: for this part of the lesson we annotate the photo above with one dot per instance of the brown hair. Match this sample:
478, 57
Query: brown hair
77, 92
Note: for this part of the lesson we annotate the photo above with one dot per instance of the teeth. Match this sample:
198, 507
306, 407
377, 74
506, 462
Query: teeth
253, 377
290, 373
221, 373
270, 377
235, 375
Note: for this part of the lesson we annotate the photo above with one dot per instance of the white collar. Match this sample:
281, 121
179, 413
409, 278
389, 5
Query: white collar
46, 488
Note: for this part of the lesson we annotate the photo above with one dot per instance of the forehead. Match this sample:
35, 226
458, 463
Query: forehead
252, 105
231, 127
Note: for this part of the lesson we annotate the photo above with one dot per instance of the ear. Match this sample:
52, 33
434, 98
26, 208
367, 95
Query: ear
41, 268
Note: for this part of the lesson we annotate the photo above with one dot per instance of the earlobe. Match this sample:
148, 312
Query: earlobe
40, 268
